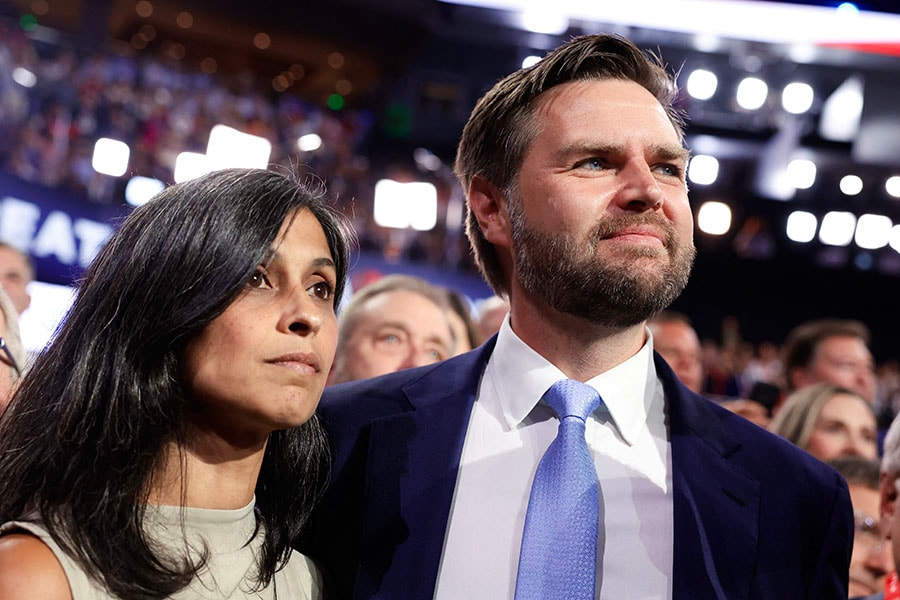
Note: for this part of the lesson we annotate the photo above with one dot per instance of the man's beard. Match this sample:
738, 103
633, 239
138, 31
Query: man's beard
568, 275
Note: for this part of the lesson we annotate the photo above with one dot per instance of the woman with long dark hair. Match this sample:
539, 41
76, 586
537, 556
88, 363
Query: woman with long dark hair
164, 444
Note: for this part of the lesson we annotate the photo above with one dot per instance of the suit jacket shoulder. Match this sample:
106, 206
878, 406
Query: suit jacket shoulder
755, 516
396, 442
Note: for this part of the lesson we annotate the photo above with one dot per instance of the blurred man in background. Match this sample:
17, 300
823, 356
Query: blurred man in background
395, 323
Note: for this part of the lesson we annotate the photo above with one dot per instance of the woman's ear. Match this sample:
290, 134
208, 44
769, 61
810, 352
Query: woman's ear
489, 205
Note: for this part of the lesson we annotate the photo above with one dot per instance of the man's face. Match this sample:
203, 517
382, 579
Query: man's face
600, 224
678, 344
842, 360
394, 330
15, 275
871, 559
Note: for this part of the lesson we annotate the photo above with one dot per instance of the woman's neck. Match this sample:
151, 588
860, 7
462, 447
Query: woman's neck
208, 473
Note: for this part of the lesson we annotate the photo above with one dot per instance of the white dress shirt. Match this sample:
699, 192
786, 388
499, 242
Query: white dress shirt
509, 431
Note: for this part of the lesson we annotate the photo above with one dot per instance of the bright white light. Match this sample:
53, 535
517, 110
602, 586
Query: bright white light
540, 17
752, 93
851, 185
837, 228
110, 157
892, 186
873, 231
701, 84
402, 205
190, 165
426, 159
801, 226
24, 77
847, 9
309, 142
895, 238
801, 173
141, 190
771, 22
707, 41
842, 111
530, 60
49, 305
714, 218
797, 97
703, 169
802, 53
228, 147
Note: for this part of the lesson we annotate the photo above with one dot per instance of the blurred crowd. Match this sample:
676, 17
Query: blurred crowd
159, 107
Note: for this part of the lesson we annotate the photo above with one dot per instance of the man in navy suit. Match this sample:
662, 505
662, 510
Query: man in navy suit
574, 171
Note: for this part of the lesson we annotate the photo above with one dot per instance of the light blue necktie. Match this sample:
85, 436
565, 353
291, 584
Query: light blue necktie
559, 546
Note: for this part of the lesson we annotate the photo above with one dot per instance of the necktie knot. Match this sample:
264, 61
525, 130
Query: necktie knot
571, 398
558, 556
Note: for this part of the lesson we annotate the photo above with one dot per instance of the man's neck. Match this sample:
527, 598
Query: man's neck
579, 348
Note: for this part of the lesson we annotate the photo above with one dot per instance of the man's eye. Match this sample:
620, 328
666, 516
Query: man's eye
592, 164
673, 170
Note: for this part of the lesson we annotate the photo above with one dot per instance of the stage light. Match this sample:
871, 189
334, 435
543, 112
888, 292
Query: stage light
873, 231
752, 93
703, 169
309, 142
851, 185
842, 111
24, 77
895, 238
801, 226
141, 190
801, 173
702, 84
797, 97
110, 157
892, 186
190, 165
530, 60
227, 147
403, 205
837, 228
714, 218
539, 17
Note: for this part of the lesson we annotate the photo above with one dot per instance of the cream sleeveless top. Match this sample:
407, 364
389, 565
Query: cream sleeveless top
231, 565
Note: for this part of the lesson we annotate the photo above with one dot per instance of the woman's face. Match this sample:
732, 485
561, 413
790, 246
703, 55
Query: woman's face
261, 365
845, 427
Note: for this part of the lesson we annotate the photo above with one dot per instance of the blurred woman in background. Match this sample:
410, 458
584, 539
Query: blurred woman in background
829, 422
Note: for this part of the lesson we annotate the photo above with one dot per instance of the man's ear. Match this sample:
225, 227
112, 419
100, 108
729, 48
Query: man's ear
488, 204
797, 378
888, 502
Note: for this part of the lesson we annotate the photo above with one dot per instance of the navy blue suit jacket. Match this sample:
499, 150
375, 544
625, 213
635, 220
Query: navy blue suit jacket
754, 516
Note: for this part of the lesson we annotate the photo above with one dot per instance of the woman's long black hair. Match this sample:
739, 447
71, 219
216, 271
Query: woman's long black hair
87, 429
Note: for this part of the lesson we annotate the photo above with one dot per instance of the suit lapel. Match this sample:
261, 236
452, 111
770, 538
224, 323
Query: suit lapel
411, 471
716, 504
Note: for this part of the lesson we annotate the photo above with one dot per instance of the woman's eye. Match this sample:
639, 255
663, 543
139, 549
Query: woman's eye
322, 290
259, 279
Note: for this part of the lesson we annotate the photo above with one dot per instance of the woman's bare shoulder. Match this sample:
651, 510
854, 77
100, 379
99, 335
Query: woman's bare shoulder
29, 569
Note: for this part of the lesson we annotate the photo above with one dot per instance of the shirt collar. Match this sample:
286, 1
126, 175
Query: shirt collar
521, 376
